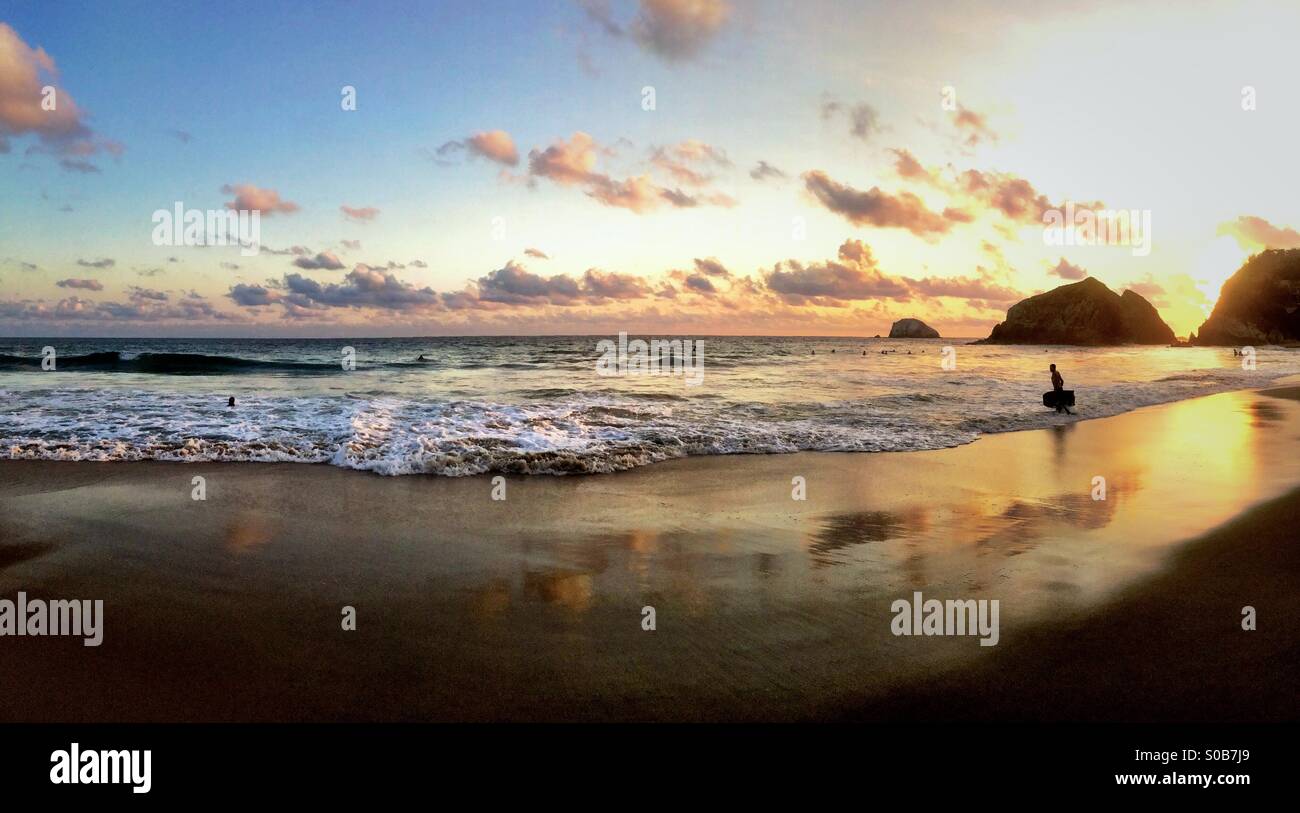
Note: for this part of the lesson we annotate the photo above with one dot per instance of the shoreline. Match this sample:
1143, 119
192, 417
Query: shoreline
768, 607
1283, 383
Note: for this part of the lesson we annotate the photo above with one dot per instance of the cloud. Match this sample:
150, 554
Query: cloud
598, 11
251, 198
765, 170
1015, 197
84, 284
362, 215
880, 209
515, 284
363, 287
972, 126
187, 311
1066, 270
598, 285
687, 161
1148, 289
908, 168
864, 121
711, 267
539, 254
682, 200
62, 131
853, 276
856, 276
678, 29
104, 263
674, 30
700, 284
138, 293
1011, 196
568, 163
23, 265
253, 295
983, 287
573, 163
325, 260
296, 251
494, 145
639, 194
1253, 233
78, 165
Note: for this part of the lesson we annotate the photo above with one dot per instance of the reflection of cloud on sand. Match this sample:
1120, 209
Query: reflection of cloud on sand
566, 589
245, 534
840, 531
489, 601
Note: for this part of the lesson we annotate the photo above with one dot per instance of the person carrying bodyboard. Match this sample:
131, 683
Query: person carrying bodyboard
1059, 397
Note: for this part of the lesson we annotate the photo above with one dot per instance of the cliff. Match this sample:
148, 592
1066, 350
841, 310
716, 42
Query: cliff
1260, 304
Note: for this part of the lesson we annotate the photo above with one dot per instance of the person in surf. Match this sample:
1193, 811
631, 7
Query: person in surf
1058, 387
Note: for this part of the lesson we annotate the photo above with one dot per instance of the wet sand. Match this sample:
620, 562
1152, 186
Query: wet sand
766, 607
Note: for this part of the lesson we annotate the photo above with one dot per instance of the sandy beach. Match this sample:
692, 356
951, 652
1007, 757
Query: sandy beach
766, 607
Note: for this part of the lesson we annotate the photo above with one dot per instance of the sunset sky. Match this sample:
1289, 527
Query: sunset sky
798, 173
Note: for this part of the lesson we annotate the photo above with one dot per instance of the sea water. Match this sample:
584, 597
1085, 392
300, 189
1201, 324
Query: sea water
538, 405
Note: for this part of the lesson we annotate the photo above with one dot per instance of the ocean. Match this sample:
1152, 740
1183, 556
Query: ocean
536, 405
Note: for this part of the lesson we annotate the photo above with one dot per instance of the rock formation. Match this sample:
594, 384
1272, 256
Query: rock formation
1260, 304
1086, 313
912, 329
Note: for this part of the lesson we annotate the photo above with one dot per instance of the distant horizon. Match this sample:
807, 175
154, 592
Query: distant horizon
488, 336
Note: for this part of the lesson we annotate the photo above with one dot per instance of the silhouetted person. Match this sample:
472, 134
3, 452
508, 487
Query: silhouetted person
231, 402
1058, 386
421, 358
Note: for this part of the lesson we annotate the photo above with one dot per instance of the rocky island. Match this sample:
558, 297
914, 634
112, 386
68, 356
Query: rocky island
912, 329
1082, 313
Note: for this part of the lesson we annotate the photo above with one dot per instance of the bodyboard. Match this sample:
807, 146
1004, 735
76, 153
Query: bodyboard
1050, 398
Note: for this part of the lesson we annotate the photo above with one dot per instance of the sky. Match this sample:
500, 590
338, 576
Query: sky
699, 167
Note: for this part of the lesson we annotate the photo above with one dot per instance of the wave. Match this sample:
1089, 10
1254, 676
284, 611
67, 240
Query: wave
167, 364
